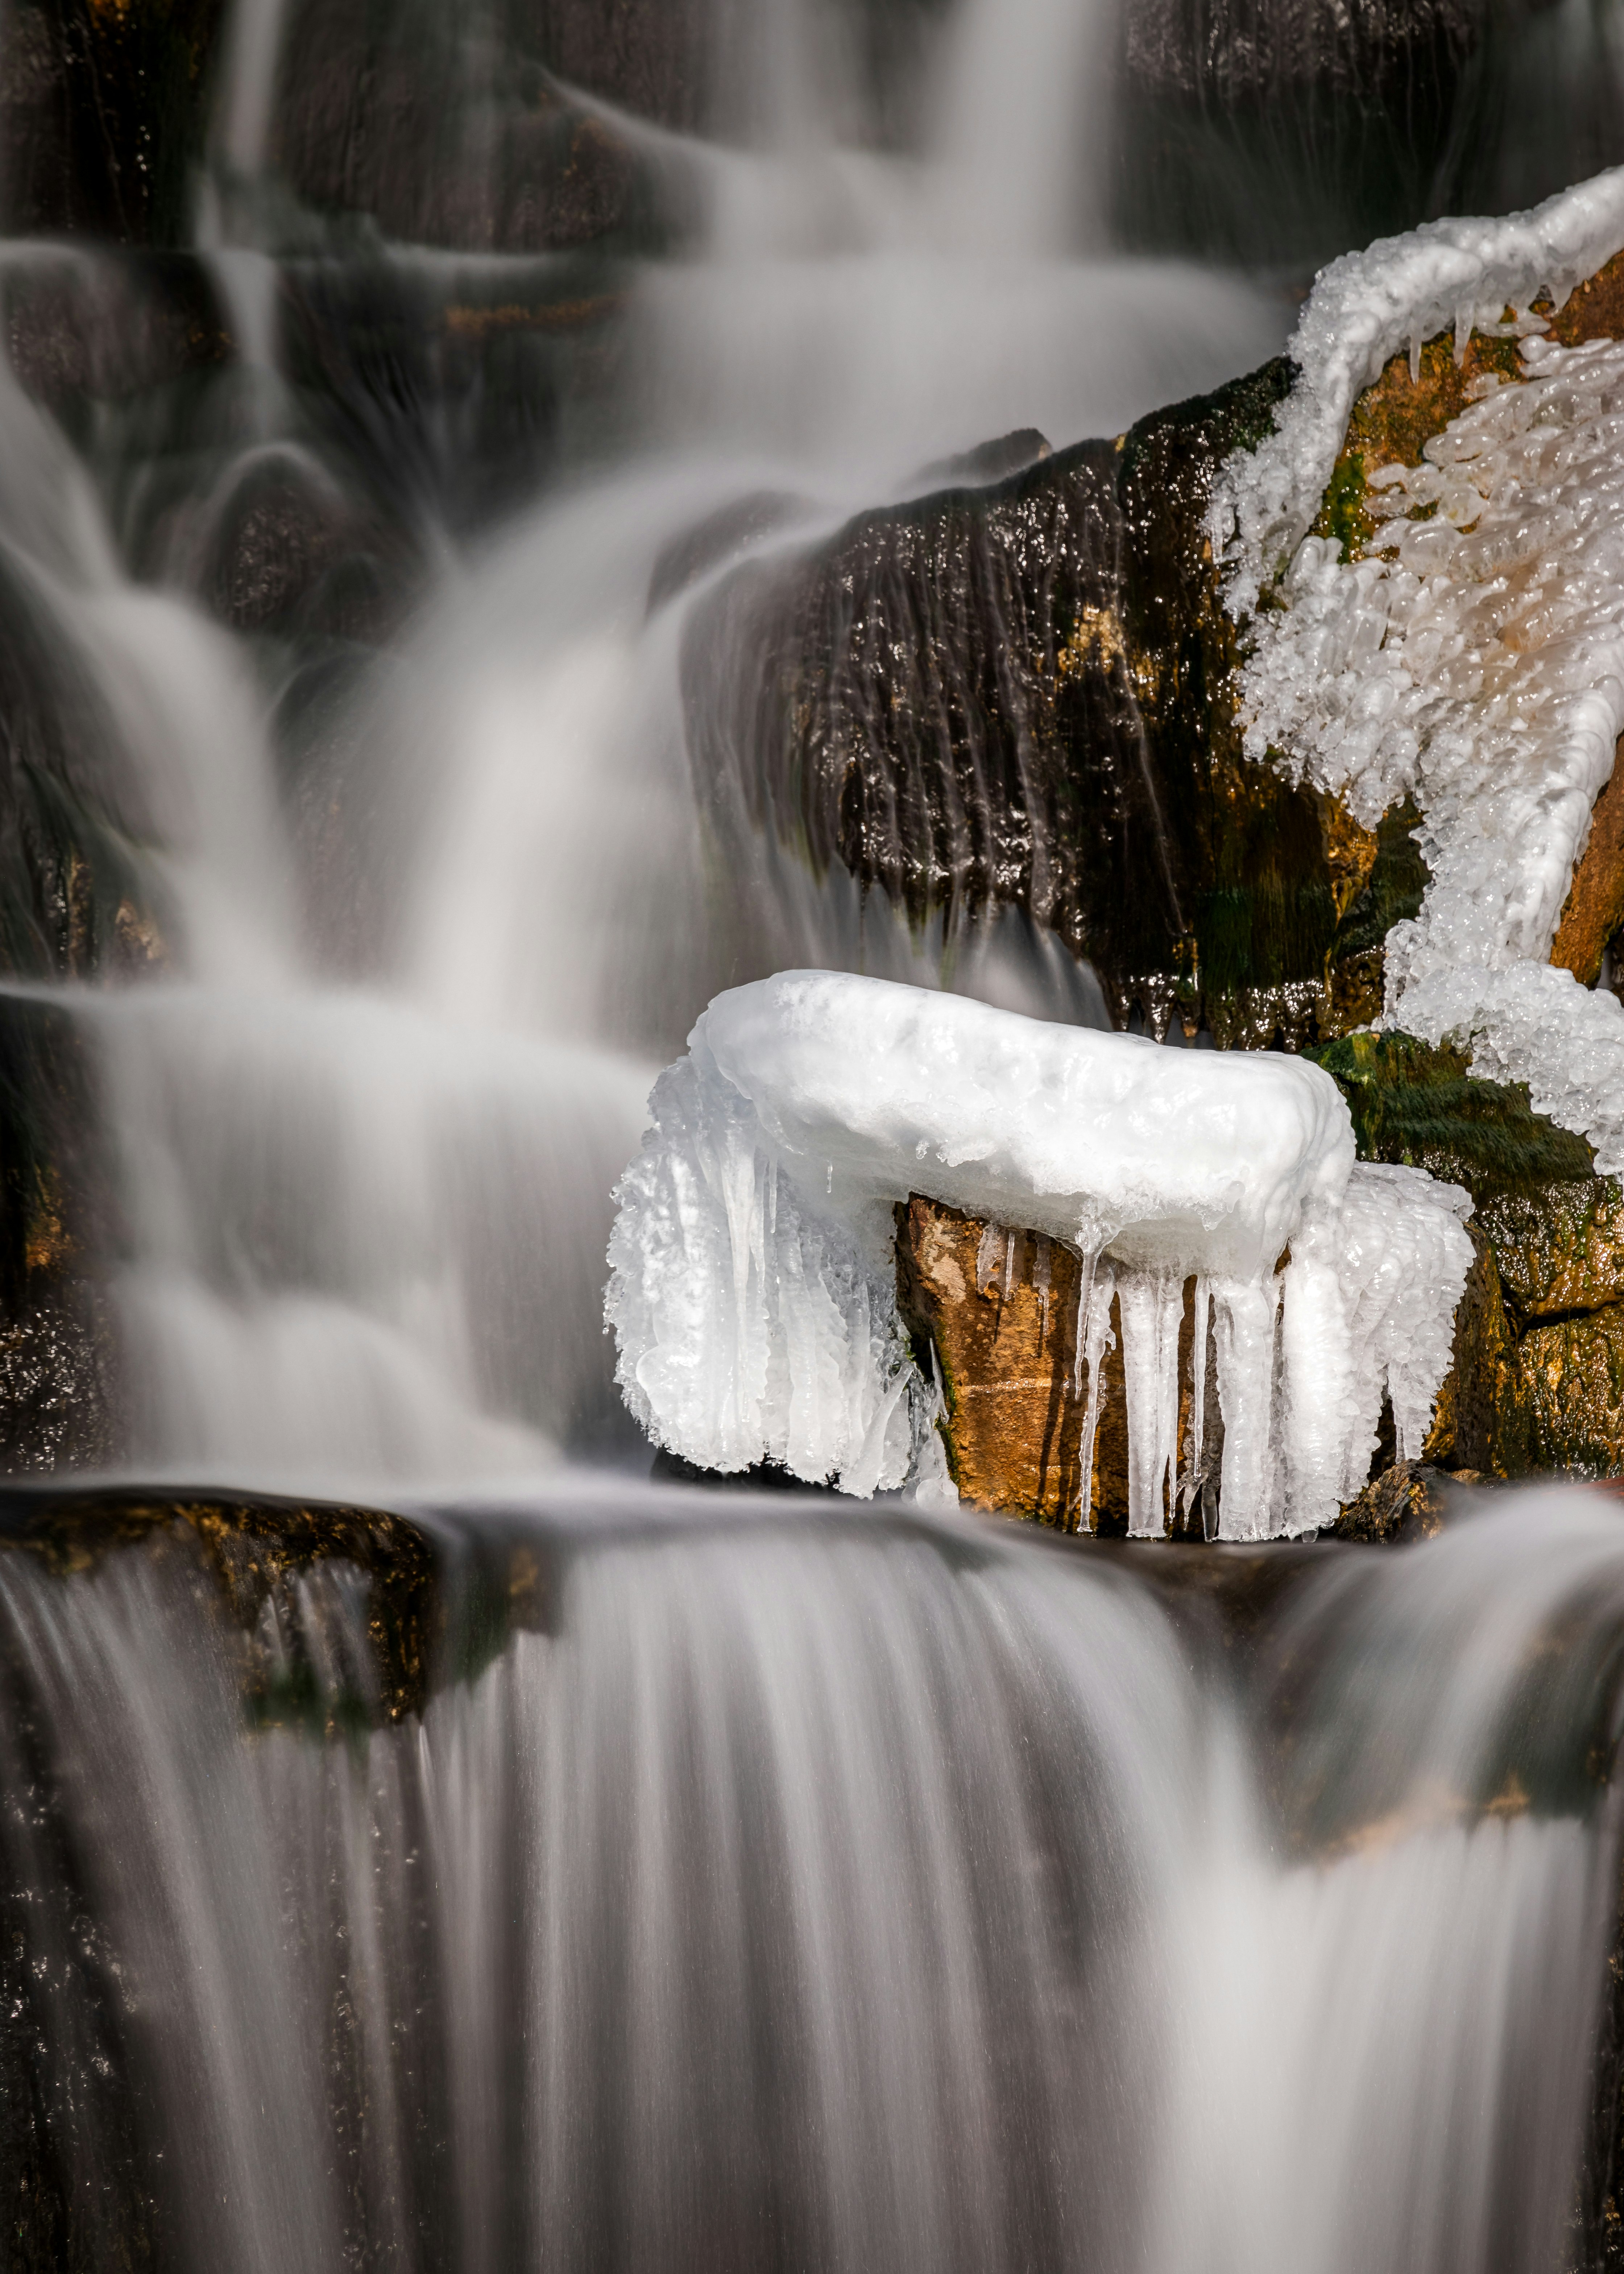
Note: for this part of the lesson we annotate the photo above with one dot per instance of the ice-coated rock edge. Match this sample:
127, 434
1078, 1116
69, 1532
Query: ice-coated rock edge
753, 1290
1458, 274
1475, 658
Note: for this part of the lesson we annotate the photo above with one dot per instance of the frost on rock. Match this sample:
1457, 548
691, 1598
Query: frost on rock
1400, 292
753, 1289
1476, 659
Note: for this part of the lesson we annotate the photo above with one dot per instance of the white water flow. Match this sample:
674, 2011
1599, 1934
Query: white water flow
833, 1892
363, 1222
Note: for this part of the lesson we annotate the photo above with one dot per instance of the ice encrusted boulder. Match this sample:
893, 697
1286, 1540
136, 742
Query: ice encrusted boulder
753, 1274
1425, 559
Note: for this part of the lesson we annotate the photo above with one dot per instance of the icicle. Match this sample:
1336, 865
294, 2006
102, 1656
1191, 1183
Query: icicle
1008, 1288
1094, 1339
986, 1256
1414, 358
1087, 1265
1463, 334
1246, 1312
1152, 1308
1193, 1478
1040, 1283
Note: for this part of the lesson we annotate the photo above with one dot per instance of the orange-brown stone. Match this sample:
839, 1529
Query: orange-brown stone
1000, 1306
1595, 906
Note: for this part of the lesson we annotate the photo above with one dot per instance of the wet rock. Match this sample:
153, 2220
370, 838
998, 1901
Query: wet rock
62, 1401
287, 1577
1536, 1383
103, 111
1408, 1502
1573, 1376
989, 461
1285, 132
655, 58
108, 326
994, 1312
702, 549
443, 137
1415, 1104
444, 392
291, 553
1021, 695
1563, 1251
1481, 1423
1530, 1385
75, 899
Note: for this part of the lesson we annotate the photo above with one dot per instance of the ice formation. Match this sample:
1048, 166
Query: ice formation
752, 1287
1476, 658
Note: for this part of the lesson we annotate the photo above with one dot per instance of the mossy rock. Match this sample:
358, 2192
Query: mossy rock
1560, 1251
1416, 1104
1536, 1380
1572, 1374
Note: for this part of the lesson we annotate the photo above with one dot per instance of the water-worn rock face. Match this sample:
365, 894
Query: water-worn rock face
1003, 1329
1022, 695
994, 1313
324, 1621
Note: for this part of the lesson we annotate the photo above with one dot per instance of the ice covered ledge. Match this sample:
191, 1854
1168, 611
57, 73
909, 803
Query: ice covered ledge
1425, 562
1203, 1198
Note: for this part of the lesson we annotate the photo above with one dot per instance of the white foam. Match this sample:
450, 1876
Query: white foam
752, 1285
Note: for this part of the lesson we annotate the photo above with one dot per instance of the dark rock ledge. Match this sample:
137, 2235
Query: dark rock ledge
292, 1586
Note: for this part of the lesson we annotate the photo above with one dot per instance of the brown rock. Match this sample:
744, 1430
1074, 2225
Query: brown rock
1573, 1369
999, 1307
1405, 1503
1561, 1250
1481, 1422
1595, 906
1003, 1325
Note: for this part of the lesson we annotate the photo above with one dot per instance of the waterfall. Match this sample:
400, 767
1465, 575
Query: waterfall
809, 1891
739, 1881
364, 1109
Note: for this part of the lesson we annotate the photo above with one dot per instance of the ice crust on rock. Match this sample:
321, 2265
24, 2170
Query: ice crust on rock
1476, 658
1364, 308
753, 1289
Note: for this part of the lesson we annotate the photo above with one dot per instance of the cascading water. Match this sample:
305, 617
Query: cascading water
742, 1882
326, 1193
803, 1889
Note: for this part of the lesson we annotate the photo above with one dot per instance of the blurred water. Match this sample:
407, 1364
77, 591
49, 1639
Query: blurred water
363, 1132
834, 1891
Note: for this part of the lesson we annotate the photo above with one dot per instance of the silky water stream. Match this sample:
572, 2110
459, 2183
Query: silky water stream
736, 1882
804, 1887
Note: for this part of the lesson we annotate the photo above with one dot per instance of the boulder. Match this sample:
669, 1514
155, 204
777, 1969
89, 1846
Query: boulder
1020, 694
1001, 1315
103, 111
1537, 1382
1408, 1502
61, 1402
438, 136
995, 1314
74, 896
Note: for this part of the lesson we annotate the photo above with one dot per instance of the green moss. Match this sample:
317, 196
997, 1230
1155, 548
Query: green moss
1417, 1105
1343, 515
